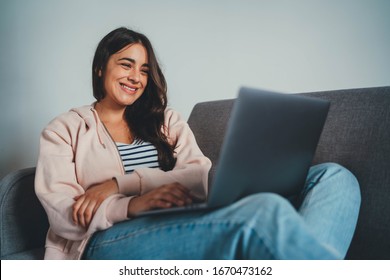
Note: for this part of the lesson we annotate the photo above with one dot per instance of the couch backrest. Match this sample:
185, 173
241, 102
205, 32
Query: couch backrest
208, 121
356, 135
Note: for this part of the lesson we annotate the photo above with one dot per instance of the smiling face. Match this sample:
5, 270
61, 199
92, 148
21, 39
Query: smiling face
126, 76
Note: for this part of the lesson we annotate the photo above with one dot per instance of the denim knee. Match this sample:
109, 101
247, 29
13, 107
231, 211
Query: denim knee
346, 179
273, 229
332, 168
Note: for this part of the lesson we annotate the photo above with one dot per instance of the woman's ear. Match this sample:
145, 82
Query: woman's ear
99, 72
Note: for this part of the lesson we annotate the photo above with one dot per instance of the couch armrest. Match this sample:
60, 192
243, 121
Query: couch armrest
23, 221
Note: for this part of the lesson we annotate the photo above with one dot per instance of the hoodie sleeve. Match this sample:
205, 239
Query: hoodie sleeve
56, 184
191, 169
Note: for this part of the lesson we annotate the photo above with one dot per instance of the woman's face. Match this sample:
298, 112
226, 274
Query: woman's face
126, 76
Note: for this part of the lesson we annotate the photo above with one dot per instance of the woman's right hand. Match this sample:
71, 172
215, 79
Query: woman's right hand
166, 196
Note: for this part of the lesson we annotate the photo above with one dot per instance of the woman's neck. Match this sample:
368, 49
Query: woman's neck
110, 114
114, 121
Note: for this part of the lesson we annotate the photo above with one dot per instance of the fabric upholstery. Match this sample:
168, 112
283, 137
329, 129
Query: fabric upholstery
23, 221
208, 121
356, 135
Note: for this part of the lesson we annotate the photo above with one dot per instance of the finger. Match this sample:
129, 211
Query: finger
81, 212
172, 193
76, 207
183, 197
159, 203
95, 208
87, 209
88, 213
171, 198
177, 198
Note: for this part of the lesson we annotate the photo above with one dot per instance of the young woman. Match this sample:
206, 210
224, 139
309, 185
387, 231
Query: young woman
100, 165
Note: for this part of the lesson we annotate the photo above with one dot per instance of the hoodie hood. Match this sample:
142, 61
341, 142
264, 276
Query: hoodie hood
91, 119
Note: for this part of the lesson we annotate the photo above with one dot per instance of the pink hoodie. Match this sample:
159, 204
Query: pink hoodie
76, 152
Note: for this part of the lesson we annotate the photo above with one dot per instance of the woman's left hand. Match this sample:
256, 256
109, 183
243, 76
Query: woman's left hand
87, 204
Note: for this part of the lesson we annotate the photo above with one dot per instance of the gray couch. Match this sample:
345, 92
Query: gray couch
356, 135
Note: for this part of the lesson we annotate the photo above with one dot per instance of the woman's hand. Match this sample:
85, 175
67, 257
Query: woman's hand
165, 196
87, 204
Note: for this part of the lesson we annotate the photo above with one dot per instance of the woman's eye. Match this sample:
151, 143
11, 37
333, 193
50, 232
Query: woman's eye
125, 65
145, 72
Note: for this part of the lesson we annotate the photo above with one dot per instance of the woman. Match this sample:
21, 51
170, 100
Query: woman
102, 164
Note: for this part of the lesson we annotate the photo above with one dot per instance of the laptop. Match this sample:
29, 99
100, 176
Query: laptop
269, 146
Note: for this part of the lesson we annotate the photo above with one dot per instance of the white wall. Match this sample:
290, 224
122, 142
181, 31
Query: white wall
207, 50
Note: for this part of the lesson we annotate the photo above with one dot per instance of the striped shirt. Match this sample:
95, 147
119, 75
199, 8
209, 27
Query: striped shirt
138, 154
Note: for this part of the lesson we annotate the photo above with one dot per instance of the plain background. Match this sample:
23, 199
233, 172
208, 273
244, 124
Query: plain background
207, 50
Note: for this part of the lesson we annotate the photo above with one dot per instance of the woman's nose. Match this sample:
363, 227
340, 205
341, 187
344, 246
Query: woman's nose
134, 76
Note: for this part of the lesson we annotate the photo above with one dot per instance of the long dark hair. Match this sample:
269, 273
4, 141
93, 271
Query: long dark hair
145, 117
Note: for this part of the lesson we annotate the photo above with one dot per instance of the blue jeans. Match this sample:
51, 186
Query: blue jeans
260, 226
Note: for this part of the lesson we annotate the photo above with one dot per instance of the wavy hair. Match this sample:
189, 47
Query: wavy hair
145, 117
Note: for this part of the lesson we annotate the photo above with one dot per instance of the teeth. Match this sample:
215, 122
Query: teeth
128, 88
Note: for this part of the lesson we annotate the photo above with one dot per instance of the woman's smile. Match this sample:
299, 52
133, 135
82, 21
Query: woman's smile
129, 89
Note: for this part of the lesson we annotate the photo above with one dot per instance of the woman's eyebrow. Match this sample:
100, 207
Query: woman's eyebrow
132, 61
